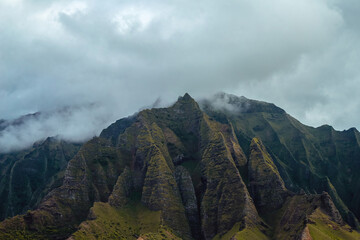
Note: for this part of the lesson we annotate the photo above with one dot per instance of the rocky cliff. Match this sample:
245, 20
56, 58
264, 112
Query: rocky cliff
28, 175
186, 172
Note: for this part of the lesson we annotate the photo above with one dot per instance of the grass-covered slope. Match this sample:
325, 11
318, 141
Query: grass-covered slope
321, 227
131, 222
239, 232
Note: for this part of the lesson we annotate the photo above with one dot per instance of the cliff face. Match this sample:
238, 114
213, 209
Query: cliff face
175, 173
226, 199
265, 183
188, 196
308, 159
27, 176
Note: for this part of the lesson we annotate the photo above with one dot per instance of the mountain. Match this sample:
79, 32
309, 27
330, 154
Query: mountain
309, 159
28, 175
224, 168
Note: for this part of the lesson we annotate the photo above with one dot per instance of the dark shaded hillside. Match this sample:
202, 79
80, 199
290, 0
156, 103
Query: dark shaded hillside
244, 171
312, 159
27, 176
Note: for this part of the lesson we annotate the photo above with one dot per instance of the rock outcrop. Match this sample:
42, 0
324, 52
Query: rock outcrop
122, 189
177, 172
189, 200
297, 211
266, 185
309, 159
226, 199
27, 176
329, 206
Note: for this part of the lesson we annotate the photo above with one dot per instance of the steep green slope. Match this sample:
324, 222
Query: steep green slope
150, 145
89, 177
322, 228
312, 159
131, 222
239, 232
294, 215
178, 172
265, 183
27, 176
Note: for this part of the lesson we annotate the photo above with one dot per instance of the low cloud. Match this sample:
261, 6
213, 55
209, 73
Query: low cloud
225, 102
73, 124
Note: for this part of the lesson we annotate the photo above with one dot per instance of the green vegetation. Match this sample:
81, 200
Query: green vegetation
322, 228
179, 173
27, 176
160, 192
130, 222
307, 158
248, 233
266, 185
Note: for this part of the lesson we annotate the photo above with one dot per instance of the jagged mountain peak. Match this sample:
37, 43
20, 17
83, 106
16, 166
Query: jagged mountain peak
187, 97
186, 103
223, 171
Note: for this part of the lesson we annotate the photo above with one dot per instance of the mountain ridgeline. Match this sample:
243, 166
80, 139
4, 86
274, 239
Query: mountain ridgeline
28, 175
242, 169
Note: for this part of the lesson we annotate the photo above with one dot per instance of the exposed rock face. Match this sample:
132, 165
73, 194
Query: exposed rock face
122, 189
296, 213
27, 176
266, 185
189, 200
305, 235
183, 168
226, 199
313, 159
294, 218
330, 208
89, 176
160, 192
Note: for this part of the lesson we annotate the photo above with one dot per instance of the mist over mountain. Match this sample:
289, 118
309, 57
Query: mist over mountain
73, 124
95, 142
227, 167
123, 55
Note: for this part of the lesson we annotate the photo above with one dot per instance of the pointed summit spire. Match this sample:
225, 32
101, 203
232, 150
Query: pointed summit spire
186, 98
186, 103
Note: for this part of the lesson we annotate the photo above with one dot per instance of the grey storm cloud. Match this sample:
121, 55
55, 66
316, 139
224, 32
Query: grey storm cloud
302, 55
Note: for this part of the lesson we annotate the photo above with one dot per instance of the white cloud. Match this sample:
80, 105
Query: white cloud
53, 11
301, 55
133, 19
75, 124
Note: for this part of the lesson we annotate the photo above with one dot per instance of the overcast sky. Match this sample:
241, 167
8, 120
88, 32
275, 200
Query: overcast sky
106, 59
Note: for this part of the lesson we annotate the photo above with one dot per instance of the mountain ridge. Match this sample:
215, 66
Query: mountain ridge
190, 167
